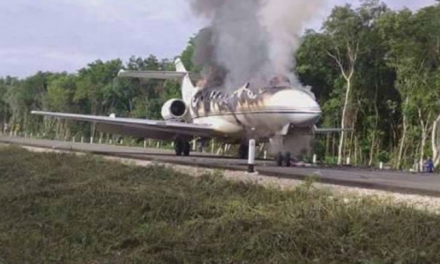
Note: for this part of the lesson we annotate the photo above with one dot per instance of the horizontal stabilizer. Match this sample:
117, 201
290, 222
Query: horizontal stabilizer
161, 75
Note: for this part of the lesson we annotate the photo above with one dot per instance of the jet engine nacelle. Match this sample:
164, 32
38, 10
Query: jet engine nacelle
174, 109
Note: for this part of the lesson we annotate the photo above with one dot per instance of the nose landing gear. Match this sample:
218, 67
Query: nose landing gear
182, 147
283, 159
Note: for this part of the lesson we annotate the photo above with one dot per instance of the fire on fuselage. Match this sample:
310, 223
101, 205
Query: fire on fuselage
211, 100
279, 80
212, 96
213, 76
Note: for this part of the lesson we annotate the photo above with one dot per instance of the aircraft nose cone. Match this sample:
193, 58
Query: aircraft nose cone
301, 106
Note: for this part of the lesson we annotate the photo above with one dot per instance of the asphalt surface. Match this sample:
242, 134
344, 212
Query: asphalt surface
401, 182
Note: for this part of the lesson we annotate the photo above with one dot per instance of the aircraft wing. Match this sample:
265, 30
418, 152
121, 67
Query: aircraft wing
140, 128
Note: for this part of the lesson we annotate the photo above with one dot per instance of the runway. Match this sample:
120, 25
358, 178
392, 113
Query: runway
400, 182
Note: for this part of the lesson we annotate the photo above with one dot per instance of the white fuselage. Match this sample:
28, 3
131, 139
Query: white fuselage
263, 112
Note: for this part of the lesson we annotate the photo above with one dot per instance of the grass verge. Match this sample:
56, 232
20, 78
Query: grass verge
62, 208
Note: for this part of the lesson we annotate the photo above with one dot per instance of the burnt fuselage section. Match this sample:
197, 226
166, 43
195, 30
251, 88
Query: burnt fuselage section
263, 111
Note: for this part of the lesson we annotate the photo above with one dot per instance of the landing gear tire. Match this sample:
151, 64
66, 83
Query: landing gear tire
279, 159
283, 159
243, 151
287, 159
178, 147
186, 148
182, 147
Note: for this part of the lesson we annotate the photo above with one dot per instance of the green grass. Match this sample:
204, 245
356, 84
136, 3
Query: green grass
61, 208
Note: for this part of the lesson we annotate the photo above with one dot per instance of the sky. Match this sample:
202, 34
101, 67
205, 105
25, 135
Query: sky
66, 35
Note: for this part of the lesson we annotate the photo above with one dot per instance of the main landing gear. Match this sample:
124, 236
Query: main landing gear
182, 147
283, 159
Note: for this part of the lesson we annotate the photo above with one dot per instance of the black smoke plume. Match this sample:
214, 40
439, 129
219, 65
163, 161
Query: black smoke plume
250, 40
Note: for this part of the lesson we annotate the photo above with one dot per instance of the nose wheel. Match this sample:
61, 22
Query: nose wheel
283, 159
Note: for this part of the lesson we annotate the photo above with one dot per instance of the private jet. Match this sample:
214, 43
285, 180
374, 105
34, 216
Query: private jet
282, 115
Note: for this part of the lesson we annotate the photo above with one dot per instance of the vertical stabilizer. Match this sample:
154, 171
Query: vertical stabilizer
187, 87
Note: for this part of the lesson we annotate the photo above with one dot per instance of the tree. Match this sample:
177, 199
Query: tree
344, 29
94, 87
60, 94
413, 40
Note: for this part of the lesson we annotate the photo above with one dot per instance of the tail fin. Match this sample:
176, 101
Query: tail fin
187, 87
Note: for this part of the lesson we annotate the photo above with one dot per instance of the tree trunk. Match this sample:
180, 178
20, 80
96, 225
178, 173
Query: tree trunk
425, 128
402, 139
327, 145
333, 146
5, 114
347, 73
422, 147
373, 141
351, 146
93, 124
435, 144
356, 151
344, 115
372, 147
57, 129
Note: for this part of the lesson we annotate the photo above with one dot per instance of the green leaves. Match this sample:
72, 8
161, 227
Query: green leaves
95, 89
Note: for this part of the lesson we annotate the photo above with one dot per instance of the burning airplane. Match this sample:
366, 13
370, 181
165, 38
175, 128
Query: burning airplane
276, 114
